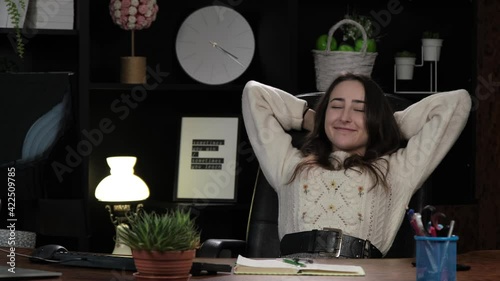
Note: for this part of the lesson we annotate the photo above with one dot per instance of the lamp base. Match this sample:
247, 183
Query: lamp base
120, 248
133, 70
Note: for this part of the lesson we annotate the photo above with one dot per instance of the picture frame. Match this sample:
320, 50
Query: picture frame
207, 159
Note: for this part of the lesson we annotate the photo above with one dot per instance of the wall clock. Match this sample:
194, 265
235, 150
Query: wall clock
215, 45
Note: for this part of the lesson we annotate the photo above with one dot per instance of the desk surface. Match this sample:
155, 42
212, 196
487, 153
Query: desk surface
484, 266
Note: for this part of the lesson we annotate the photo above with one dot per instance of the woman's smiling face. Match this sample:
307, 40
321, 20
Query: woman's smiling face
345, 120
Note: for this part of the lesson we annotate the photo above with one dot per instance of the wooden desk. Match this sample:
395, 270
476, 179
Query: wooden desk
484, 267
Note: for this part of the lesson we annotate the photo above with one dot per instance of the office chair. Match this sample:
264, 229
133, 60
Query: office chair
262, 240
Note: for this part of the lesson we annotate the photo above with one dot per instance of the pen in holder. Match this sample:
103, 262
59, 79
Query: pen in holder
436, 258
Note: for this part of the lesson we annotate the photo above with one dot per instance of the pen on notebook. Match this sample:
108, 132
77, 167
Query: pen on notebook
294, 262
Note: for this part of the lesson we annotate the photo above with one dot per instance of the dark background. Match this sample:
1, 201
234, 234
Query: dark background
285, 33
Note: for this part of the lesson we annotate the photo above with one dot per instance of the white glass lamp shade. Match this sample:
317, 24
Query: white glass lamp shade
122, 185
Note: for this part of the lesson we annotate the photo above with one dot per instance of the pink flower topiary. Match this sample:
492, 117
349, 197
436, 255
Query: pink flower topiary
133, 14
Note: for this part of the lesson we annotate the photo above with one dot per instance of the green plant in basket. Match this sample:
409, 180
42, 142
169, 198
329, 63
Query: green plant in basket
370, 47
173, 230
352, 33
346, 47
322, 41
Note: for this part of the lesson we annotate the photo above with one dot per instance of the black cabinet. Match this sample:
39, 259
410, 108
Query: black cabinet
49, 54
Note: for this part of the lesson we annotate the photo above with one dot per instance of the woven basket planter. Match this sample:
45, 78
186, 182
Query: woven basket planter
331, 64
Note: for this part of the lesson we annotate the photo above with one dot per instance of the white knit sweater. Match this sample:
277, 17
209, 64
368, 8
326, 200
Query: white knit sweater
342, 199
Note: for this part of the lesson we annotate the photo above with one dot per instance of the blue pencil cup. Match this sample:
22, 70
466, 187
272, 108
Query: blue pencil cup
436, 258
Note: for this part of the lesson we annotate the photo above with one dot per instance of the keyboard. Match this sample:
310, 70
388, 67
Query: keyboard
83, 259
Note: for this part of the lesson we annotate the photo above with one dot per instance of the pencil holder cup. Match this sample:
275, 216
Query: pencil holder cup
436, 258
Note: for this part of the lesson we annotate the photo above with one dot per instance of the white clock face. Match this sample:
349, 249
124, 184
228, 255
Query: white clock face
215, 45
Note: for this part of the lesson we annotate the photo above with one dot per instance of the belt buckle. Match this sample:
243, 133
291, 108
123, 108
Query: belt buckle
367, 251
332, 249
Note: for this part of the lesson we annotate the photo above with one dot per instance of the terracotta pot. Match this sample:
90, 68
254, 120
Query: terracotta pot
170, 263
147, 277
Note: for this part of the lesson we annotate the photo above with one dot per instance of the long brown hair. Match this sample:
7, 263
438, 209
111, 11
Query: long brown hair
384, 136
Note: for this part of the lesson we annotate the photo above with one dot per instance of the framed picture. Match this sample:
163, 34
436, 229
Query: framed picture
207, 160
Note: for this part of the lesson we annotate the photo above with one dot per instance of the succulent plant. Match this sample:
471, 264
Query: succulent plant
173, 230
430, 35
406, 54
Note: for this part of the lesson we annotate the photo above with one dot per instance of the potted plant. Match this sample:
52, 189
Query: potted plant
132, 16
352, 33
431, 44
17, 11
405, 63
162, 244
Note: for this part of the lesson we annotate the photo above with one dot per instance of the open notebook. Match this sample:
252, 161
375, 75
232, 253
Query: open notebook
280, 267
25, 273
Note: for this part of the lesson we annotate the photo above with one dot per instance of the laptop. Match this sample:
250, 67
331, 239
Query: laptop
25, 273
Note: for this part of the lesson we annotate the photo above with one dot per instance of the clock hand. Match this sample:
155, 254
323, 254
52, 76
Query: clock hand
235, 58
214, 44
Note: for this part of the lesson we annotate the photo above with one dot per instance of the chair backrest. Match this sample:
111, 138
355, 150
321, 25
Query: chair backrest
262, 232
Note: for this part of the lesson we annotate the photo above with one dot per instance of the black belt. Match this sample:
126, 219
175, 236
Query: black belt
329, 242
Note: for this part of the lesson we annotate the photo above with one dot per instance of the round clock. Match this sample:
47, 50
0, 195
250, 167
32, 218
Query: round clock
215, 45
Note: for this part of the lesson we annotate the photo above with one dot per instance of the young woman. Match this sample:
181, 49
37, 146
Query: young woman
351, 173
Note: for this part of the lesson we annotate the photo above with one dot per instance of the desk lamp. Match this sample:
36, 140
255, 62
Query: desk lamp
122, 188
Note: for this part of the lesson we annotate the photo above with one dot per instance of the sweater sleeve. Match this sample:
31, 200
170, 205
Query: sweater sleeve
431, 127
268, 113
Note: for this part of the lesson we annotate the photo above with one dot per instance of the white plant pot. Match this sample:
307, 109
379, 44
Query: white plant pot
404, 68
431, 49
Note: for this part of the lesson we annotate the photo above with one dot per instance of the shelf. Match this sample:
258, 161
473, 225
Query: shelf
33, 32
167, 87
156, 204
